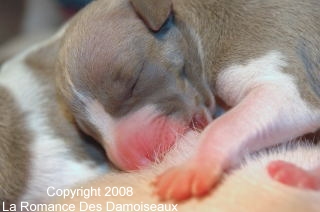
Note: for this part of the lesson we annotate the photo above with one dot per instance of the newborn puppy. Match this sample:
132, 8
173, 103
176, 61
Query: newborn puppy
138, 73
132, 90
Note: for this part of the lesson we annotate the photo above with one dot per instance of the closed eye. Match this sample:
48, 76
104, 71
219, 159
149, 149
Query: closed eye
134, 85
183, 73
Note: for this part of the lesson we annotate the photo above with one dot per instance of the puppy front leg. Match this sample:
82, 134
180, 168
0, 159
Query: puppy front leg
268, 114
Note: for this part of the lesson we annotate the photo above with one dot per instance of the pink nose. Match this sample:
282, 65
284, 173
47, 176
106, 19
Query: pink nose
141, 138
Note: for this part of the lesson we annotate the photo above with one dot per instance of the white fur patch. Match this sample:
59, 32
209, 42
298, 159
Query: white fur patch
100, 119
52, 163
236, 81
105, 123
278, 106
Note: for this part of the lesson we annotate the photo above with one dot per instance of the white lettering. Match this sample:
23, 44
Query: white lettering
12, 207
72, 193
25, 206
110, 206
48, 191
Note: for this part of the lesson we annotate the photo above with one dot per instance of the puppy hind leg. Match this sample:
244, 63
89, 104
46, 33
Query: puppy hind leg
266, 116
292, 175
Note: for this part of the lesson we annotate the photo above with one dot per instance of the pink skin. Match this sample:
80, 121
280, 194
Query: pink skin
144, 136
140, 140
254, 123
292, 175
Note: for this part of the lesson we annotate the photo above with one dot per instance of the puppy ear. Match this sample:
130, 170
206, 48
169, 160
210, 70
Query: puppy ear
153, 12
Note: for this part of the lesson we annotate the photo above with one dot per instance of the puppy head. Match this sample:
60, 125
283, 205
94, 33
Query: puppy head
131, 80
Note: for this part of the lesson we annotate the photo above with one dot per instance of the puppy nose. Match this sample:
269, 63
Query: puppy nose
200, 120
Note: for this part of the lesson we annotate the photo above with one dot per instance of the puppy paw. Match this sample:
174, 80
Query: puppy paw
183, 182
291, 175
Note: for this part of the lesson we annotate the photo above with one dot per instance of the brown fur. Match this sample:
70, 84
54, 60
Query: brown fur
231, 32
14, 152
239, 30
42, 63
111, 54
121, 80
247, 29
153, 18
16, 137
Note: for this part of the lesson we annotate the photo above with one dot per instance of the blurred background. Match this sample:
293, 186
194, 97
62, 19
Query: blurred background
25, 22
